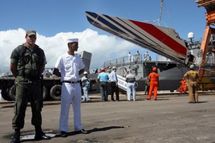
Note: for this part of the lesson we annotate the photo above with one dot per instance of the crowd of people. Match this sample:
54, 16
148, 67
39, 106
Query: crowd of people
108, 82
189, 82
136, 57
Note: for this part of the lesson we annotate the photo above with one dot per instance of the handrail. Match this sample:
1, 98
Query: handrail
126, 60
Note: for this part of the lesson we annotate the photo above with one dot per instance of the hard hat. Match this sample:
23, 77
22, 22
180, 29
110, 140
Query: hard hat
113, 68
154, 69
85, 72
192, 66
102, 70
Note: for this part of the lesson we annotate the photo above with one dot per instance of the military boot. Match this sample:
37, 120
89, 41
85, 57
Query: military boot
40, 135
16, 137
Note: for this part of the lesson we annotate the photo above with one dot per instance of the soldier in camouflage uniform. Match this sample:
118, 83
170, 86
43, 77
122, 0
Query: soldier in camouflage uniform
192, 78
27, 64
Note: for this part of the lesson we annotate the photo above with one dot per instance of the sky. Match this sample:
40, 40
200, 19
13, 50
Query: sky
57, 20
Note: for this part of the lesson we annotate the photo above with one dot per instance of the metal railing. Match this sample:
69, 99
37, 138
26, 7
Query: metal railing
126, 60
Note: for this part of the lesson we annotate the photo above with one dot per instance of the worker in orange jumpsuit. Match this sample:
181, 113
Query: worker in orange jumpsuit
183, 86
154, 82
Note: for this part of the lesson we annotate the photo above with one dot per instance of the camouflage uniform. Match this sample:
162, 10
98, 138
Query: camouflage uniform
30, 63
192, 78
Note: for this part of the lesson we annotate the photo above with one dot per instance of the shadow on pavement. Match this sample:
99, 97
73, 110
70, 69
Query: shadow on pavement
202, 102
104, 129
93, 130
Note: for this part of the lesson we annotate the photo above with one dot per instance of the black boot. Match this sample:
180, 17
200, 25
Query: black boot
40, 135
16, 137
112, 98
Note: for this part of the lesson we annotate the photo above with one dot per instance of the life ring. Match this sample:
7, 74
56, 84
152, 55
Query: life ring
55, 92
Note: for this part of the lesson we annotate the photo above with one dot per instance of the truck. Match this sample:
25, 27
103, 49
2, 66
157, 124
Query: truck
51, 83
51, 87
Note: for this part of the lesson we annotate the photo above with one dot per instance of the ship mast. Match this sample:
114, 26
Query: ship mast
161, 12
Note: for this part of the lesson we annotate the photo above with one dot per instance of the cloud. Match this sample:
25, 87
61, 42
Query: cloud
102, 47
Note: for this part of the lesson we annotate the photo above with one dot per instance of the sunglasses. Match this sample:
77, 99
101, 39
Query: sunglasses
32, 36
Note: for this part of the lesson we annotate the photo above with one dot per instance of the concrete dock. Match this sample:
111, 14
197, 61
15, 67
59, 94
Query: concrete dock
170, 119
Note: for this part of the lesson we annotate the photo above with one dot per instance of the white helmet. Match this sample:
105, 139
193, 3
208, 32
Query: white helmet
85, 72
192, 66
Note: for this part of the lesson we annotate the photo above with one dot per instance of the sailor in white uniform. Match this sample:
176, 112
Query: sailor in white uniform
85, 86
70, 66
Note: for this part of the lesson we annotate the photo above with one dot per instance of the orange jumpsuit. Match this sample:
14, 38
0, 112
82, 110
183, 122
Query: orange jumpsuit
154, 81
183, 86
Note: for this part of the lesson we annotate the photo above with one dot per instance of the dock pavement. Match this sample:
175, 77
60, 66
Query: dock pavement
170, 119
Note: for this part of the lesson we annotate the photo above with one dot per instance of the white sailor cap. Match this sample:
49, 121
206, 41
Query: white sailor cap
113, 68
72, 40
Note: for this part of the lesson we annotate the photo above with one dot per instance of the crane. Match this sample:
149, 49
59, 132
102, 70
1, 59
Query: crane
207, 44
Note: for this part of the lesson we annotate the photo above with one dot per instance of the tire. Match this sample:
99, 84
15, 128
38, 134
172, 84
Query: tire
4, 94
12, 93
55, 92
45, 93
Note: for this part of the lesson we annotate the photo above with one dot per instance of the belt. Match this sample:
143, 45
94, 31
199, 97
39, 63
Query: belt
131, 81
67, 81
28, 81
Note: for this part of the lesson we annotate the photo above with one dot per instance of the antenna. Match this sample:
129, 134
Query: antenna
161, 12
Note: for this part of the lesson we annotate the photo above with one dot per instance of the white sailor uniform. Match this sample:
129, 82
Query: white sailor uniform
69, 67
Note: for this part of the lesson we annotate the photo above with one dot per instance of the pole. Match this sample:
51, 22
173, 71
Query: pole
161, 12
